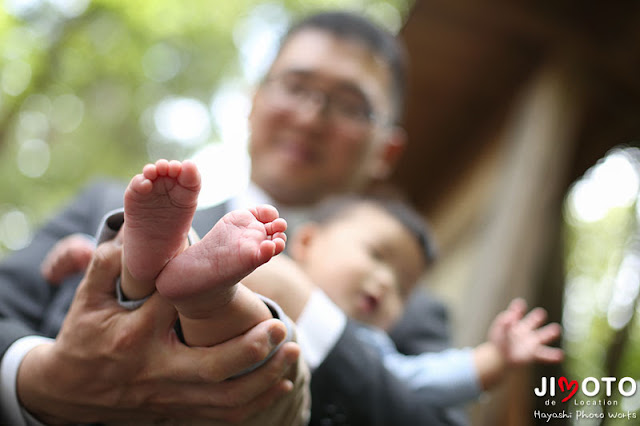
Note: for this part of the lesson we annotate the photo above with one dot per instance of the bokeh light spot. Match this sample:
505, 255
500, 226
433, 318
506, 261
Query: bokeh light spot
33, 158
15, 230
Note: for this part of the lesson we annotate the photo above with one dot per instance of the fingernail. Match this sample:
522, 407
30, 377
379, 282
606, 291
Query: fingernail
276, 336
292, 357
287, 386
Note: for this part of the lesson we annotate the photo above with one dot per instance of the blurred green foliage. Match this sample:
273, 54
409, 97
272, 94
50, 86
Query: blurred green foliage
601, 321
79, 80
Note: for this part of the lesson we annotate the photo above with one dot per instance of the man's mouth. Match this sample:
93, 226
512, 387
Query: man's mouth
297, 152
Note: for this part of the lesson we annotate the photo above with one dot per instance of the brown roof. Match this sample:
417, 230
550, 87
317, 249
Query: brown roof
469, 60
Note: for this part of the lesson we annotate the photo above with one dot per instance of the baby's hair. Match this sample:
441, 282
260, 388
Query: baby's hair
336, 207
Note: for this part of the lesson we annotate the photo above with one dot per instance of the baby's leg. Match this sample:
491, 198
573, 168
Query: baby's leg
201, 281
158, 208
68, 256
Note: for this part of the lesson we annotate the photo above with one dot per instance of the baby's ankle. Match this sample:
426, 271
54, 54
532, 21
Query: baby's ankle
242, 311
242, 305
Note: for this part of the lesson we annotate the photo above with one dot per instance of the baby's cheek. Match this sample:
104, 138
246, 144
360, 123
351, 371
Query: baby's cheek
393, 310
347, 302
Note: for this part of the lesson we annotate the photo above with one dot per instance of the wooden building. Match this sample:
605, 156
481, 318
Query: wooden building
510, 101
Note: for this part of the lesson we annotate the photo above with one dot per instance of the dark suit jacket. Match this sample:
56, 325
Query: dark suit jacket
351, 387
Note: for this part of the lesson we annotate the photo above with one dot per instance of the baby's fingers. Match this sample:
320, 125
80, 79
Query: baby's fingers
514, 313
545, 335
548, 354
518, 307
549, 333
534, 319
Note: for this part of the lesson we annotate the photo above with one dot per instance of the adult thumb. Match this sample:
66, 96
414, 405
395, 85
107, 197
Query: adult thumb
104, 270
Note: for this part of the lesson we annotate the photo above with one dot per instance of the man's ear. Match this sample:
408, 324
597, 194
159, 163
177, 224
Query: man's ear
298, 246
390, 152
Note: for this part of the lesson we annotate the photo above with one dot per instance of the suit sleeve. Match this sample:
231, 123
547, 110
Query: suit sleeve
28, 304
424, 327
352, 386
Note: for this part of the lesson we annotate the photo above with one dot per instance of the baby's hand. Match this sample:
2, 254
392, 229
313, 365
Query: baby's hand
523, 339
68, 256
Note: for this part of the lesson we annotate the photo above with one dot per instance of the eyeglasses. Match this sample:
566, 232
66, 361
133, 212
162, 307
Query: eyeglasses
345, 108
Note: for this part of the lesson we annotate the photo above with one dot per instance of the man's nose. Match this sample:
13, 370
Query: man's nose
315, 104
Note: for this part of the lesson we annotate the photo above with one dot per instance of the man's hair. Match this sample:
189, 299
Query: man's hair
350, 26
337, 207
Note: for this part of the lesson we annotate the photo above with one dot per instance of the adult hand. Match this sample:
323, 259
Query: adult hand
109, 363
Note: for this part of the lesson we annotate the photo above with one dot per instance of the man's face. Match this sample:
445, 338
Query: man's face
319, 123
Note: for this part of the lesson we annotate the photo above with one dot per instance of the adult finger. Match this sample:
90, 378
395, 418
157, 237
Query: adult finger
159, 308
103, 270
250, 388
227, 359
261, 403
257, 389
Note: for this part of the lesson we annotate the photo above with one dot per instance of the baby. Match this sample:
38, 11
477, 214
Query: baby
367, 255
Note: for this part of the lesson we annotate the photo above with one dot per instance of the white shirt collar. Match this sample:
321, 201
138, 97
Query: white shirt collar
254, 196
251, 197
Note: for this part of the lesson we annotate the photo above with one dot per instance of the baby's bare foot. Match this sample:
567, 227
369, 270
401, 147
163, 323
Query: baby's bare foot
202, 277
68, 256
158, 208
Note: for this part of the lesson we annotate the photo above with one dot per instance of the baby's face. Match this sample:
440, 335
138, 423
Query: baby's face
367, 262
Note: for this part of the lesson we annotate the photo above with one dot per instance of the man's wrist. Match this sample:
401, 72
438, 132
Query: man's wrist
12, 410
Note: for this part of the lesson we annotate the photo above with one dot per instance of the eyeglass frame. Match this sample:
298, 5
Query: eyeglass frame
328, 104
